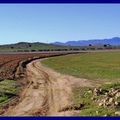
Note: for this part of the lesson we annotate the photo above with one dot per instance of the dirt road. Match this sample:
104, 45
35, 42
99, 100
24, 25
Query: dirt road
47, 94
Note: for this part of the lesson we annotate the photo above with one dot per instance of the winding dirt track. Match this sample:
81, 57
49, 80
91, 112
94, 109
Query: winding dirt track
47, 94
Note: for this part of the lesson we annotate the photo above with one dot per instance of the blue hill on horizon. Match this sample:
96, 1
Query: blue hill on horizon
112, 41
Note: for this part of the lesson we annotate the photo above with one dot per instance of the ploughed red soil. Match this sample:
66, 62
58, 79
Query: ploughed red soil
10, 62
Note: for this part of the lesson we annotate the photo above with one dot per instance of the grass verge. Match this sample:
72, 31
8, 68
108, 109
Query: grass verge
94, 66
8, 89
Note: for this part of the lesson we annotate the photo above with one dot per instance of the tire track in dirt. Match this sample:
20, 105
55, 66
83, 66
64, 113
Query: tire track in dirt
47, 94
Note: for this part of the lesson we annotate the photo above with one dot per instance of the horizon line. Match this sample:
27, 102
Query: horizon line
59, 41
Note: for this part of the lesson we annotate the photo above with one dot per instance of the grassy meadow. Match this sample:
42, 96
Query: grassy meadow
94, 66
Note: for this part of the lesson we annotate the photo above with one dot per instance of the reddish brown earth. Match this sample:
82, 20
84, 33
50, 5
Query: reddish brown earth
10, 62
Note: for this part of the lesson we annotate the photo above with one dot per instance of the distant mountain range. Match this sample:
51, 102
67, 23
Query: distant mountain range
112, 41
58, 45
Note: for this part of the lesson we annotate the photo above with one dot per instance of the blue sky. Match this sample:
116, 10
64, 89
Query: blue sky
58, 22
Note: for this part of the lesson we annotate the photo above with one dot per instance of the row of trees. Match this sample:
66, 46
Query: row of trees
70, 48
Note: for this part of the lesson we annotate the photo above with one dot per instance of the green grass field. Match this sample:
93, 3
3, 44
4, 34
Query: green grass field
94, 66
8, 89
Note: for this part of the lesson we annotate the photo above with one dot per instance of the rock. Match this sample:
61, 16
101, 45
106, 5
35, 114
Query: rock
100, 104
117, 95
105, 100
114, 92
117, 113
106, 93
116, 103
96, 92
111, 100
